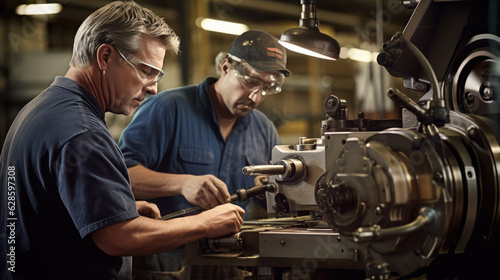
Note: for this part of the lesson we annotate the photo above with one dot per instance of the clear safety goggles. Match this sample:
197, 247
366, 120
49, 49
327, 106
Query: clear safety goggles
151, 74
254, 80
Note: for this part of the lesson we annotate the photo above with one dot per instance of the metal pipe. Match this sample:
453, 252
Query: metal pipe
366, 234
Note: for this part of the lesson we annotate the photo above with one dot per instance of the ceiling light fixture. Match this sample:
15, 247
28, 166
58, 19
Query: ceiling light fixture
39, 9
221, 26
360, 55
307, 39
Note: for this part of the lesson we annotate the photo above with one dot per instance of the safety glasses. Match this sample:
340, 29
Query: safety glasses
254, 80
147, 72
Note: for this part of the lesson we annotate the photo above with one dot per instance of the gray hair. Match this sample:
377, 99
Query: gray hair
122, 25
218, 62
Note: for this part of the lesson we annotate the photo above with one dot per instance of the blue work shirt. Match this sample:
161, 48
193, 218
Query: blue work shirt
177, 131
67, 179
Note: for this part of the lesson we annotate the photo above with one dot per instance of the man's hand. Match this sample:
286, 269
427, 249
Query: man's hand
147, 209
260, 181
222, 220
206, 191
144, 236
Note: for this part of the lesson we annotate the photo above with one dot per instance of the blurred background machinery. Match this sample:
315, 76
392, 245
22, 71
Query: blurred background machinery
416, 197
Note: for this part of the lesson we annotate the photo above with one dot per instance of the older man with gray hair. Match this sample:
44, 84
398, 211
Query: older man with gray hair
71, 208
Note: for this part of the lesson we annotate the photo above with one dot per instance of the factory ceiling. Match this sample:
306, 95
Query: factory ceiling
354, 18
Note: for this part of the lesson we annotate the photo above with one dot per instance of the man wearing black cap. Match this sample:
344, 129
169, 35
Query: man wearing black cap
188, 145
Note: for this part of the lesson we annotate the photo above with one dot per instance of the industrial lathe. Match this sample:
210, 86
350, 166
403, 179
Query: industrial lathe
412, 198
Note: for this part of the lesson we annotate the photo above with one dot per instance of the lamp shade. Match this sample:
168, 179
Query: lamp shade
310, 41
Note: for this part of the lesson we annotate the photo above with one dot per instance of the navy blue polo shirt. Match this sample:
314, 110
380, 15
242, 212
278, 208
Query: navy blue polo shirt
69, 179
177, 131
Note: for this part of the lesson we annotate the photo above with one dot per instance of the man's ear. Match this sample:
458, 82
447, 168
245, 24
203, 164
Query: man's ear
103, 55
225, 66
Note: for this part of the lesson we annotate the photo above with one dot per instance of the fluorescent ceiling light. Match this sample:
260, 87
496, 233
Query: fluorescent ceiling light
221, 26
343, 53
39, 9
358, 54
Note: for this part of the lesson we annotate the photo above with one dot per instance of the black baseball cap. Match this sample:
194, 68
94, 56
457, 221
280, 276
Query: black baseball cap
261, 50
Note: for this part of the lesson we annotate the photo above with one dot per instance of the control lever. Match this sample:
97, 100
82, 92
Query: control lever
240, 195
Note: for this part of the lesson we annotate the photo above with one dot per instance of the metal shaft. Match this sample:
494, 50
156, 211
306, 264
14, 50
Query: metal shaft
263, 169
240, 195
